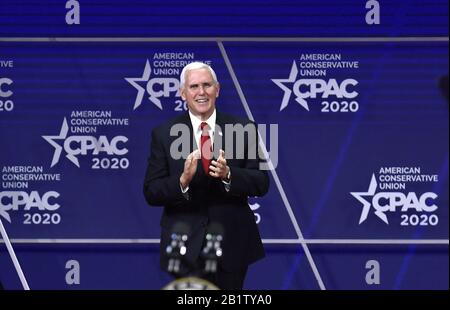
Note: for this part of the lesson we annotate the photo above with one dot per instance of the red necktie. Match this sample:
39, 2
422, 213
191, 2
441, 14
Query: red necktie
205, 147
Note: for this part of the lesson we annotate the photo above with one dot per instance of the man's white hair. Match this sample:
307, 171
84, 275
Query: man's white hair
194, 66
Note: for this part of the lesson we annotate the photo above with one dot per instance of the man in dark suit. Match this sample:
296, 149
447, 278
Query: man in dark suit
207, 186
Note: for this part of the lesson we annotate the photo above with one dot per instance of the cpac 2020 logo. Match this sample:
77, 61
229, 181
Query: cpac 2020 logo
306, 88
6, 101
33, 203
417, 209
75, 146
155, 88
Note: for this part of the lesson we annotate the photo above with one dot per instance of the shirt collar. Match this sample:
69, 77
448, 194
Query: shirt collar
211, 121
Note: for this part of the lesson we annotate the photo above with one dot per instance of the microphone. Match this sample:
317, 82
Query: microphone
176, 250
212, 251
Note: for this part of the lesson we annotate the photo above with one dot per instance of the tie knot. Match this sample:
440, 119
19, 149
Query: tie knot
204, 127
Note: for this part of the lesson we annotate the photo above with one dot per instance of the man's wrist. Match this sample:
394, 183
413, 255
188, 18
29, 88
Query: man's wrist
183, 181
227, 176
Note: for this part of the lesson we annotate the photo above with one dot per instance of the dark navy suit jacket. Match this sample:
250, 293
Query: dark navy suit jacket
208, 200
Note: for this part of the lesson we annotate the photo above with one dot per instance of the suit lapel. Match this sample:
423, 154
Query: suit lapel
219, 134
186, 120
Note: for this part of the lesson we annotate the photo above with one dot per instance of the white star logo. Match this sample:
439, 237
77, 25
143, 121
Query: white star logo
5, 214
366, 204
287, 91
141, 90
58, 148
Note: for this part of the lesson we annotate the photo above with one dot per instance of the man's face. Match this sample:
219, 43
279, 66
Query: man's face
200, 91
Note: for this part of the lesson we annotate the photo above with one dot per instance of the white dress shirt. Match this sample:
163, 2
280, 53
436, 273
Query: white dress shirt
197, 131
